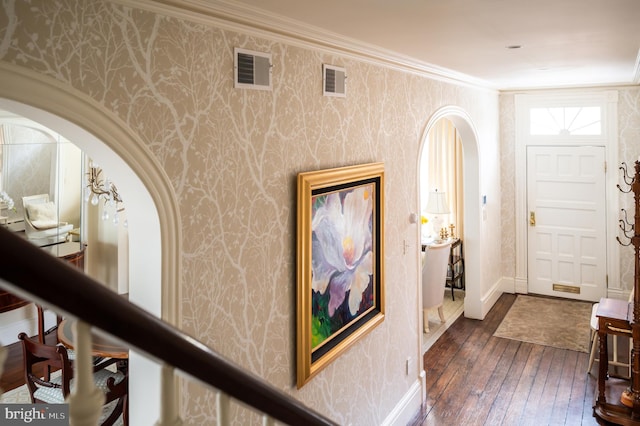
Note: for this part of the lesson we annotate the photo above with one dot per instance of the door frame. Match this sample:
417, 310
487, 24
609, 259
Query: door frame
475, 306
153, 214
608, 101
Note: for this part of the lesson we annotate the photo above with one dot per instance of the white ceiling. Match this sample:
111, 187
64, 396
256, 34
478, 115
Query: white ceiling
564, 42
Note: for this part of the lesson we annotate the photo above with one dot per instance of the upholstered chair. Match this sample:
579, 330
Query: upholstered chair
41, 224
434, 278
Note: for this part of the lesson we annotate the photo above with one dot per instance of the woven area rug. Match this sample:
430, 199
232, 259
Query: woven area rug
557, 323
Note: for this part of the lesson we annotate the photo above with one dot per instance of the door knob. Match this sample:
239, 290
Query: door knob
532, 218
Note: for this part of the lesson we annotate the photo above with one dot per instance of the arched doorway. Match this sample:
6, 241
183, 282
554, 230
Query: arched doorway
472, 202
154, 233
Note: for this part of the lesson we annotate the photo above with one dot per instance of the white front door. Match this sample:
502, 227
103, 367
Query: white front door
567, 228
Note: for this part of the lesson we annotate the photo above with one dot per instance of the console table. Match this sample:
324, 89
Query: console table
615, 318
72, 252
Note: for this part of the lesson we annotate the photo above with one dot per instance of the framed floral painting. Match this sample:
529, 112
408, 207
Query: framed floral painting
340, 289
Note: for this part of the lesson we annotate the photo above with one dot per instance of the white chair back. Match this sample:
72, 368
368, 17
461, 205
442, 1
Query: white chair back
434, 274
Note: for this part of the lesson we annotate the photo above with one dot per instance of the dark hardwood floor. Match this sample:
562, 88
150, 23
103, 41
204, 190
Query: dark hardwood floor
13, 372
473, 378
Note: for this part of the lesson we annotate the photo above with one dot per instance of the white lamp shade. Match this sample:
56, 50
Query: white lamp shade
437, 203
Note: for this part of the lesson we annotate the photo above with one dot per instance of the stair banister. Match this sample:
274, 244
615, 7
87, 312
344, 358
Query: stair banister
85, 400
32, 273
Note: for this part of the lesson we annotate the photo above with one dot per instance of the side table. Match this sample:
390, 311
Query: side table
455, 270
614, 317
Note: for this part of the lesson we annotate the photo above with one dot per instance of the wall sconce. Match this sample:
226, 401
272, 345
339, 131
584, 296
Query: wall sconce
437, 206
97, 189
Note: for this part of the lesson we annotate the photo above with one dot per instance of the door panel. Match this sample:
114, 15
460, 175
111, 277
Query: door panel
567, 232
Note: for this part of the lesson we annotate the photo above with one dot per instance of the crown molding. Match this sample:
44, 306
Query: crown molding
239, 17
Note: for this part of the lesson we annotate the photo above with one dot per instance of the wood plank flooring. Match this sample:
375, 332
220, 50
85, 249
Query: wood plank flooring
473, 378
13, 372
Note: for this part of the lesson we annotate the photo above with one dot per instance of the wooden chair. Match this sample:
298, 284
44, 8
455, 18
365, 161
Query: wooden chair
434, 278
41, 360
42, 333
45, 338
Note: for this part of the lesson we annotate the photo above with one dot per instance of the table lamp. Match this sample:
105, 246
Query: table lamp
437, 206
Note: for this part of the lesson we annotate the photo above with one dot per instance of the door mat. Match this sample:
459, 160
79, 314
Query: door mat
557, 323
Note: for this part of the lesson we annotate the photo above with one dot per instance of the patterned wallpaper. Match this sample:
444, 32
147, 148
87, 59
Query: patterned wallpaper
28, 156
629, 152
232, 157
508, 184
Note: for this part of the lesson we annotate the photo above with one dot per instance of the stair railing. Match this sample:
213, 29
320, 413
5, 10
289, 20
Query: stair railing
34, 274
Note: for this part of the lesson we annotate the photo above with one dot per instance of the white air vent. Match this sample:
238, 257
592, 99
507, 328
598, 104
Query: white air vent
252, 70
334, 81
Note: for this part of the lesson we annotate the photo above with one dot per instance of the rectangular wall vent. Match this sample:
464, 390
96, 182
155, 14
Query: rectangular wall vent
334, 81
252, 70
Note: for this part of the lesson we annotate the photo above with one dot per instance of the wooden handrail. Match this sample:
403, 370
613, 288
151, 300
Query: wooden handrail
31, 272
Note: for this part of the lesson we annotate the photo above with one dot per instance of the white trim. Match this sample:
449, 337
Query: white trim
22, 319
34, 89
521, 286
472, 214
473, 305
86, 122
608, 100
410, 404
235, 16
491, 297
507, 285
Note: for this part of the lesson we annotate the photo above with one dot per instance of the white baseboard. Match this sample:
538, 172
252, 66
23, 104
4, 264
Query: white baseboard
522, 285
20, 320
618, 293
491, 298
507, 285
408, 406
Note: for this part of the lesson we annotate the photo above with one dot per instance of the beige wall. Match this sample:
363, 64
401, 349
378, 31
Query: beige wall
233, 156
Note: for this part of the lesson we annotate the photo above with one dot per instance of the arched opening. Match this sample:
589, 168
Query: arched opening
472, 202
154, 234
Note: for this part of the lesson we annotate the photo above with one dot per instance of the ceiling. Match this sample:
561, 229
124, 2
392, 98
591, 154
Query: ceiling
563, 43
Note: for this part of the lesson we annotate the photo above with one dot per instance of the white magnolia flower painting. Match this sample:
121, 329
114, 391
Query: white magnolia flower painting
342, 259
340, 262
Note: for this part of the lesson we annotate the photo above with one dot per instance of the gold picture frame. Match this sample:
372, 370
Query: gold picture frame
340, 262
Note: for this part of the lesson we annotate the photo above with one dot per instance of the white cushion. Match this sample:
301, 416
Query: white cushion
54, 395
43, 215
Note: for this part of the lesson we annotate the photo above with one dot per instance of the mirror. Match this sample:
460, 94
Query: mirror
36, 161
40, 168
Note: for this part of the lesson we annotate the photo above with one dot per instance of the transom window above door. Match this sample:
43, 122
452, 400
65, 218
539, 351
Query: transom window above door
566, 121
